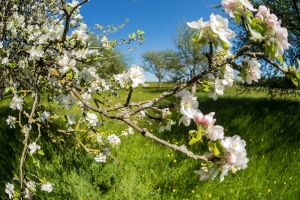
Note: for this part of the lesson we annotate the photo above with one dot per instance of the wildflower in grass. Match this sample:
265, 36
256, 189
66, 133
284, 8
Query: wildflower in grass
193, 191
16, 103
33, 147
291, 178
284, 182
10, 190
274, 182
11, 121
48, 187
100, 158
174, 161
209, 195
113, 139
174, 190
269, 190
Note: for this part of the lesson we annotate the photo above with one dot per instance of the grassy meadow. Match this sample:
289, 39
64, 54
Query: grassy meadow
147, 170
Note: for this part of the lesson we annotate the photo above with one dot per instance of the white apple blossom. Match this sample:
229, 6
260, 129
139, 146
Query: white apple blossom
45, 116
113, 139
185, 120
228, 76
219, 26
216, 86
92, 119
215, 132
122, 79
135, 73
10, 190
11, 121
16, 103
33, 147
100, 158
48, 187
251, 69
189, 105
36, 52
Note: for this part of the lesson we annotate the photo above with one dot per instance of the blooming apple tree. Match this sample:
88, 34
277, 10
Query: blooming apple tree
46, 53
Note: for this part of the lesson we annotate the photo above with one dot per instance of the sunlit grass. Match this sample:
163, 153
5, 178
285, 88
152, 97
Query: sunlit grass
148, 170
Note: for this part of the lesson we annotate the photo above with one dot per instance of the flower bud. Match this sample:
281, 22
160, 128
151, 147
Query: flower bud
198, 117
231, 158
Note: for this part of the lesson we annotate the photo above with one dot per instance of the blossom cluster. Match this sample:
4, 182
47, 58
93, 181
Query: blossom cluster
132, 78
215, 31
233, 158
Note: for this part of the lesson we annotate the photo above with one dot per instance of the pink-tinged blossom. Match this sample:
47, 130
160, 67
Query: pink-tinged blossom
282, 37
264, 11
208, 119
198, 117
215, 132
272, 20
231, 158
238, 7
228, 76
252, 70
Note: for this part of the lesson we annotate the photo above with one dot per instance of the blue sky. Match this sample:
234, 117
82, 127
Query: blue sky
157, 18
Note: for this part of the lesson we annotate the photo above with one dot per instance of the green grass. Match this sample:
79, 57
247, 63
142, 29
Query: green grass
147, 170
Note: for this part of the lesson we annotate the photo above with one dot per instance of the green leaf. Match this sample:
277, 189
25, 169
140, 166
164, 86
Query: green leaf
237, 19
280, 58
193, 141
256, 30
7, 90
294, 79
41, 152
69, 75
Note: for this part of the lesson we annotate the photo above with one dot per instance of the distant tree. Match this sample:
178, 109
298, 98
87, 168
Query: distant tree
189, 55
157, 63
114, 62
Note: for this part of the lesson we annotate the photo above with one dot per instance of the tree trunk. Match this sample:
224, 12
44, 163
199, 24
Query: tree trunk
194, 86
159, 83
